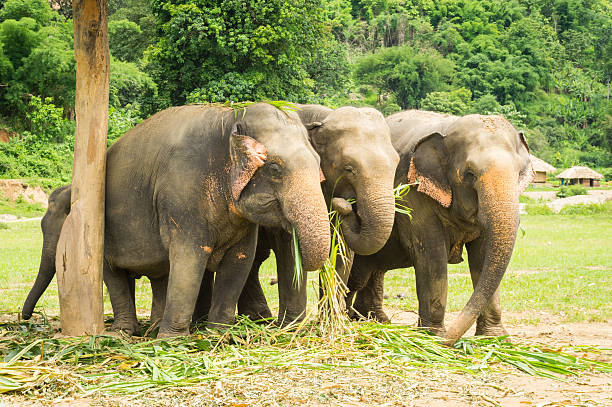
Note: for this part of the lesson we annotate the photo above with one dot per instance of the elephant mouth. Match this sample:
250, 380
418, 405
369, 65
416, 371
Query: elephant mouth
347, 210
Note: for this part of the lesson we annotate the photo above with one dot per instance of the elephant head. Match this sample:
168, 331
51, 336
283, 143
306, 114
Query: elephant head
275, 178
477, 170
358, 162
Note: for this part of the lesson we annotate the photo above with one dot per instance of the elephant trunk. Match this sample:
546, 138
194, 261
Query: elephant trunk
375, 208
46, 271
499, 214
306, 210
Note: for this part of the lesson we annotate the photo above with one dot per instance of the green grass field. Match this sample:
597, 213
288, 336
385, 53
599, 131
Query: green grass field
561, 265
20, 208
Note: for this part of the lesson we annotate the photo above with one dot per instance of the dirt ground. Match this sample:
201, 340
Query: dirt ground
420, 388
14, 188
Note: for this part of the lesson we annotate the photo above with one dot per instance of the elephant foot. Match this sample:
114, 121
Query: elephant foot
435, 328
129, 327
218, 326
381, 317
261, 315
377, 315
491, 330
289, 319
166, 333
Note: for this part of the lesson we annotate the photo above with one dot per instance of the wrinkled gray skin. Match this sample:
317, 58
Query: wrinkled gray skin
471, 170
185, 190
358, 162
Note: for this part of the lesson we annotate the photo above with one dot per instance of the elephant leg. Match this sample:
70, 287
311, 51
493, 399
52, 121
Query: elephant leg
359, 298
489, 323
202, 306
292, 295
187, 266
430, 266
369, 300
120, 287
252, 302
159, 287
230, 277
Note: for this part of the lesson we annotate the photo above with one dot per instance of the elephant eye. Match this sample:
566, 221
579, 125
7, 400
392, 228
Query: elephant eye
469, 177
275, 170
349, 168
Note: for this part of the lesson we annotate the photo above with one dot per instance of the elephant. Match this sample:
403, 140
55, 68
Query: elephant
470, 171
185, 192
358, 163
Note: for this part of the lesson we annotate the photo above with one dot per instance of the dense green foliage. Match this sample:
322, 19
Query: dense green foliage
239, 50
545, 65
571, 190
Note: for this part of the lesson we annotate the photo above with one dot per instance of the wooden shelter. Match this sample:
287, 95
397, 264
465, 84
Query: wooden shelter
540, 167
580, 175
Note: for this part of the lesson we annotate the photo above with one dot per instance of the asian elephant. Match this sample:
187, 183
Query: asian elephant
470, 171
358, 163
185, 191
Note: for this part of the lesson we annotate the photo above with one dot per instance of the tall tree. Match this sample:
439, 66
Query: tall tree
234, 49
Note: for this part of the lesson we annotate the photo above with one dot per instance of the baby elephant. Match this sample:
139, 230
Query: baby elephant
185, 190
470, 171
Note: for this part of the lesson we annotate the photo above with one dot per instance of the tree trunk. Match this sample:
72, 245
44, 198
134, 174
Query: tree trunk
81, 246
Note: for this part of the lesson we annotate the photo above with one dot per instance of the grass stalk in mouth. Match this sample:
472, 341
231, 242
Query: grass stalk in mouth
332, 309
400, 192
298, 270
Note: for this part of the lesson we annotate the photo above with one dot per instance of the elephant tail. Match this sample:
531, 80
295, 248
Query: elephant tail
52, 222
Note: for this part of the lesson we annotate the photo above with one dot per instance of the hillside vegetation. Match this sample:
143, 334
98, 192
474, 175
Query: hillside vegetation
545, 65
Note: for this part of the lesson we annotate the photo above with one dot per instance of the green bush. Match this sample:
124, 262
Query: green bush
39, 10
46, 124
606, 172
454, 102
526, 199
571, 190
125, 40
20, 159
539, 209
587, 209
120, 121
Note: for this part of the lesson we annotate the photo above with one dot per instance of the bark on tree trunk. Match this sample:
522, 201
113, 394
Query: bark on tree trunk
81, 245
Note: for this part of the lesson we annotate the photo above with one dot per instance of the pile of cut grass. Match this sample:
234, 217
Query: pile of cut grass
34, 362
111, 364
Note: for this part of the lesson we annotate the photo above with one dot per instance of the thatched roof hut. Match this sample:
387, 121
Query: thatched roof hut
580, 175
540, 167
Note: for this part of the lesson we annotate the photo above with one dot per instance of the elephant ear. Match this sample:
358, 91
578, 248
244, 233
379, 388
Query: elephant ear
247, 155
523, 140
315, 136
527, 175
428, 166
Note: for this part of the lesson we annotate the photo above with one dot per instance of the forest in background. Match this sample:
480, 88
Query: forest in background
545, 65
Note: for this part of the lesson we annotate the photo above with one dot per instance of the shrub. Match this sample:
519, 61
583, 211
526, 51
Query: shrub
587, 209
526, 199
125, 40
454, 102
606, 172
120, 121
39, 10
539, 209
21, 159
46, 123
571, 190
